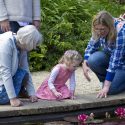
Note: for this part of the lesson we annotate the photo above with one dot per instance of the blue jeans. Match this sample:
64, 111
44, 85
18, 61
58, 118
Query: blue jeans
98, 63
17, 82
14, 27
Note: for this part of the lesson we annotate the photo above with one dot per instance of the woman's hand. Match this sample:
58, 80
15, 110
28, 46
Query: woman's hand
36, 23
104, 91
33, 98
15, 102
86, 69
5, 25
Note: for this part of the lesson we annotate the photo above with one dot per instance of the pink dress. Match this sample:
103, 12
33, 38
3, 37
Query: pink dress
44, 91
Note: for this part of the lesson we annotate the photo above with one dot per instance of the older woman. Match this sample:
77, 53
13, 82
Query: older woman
14, 70
105, 53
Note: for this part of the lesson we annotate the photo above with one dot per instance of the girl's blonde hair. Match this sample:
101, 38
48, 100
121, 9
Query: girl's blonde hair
29, 37
104, 18
71, 56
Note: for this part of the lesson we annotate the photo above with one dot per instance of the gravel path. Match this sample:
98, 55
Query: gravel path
82, 87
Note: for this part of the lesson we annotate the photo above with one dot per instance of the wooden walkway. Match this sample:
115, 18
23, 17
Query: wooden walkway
49, 110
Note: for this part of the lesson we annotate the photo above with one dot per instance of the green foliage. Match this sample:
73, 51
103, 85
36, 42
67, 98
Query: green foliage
66, 24
36, 58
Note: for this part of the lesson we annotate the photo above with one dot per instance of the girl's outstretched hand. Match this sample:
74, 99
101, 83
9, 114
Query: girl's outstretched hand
15, 102
33, 98
86, 69
58, 94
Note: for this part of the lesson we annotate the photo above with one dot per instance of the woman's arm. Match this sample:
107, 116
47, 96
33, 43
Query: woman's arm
5, 73
91, 48
23, 63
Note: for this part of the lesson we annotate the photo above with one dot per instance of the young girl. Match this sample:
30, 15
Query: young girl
54, 87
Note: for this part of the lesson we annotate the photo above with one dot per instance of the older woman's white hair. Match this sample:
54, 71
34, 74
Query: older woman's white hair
29, 37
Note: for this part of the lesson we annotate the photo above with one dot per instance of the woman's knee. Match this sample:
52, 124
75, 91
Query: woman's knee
97, 59
116, 89
113, 91
118, 83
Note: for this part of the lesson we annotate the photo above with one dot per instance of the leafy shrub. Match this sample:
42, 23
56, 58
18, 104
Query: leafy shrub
66, 24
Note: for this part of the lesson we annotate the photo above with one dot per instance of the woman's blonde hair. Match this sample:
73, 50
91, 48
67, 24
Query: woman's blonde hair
29, 37
106, 19
71, 56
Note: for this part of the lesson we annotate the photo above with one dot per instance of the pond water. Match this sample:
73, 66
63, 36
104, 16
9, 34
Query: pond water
107, 122
119, 122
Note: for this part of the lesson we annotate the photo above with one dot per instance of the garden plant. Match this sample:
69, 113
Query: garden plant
66, 24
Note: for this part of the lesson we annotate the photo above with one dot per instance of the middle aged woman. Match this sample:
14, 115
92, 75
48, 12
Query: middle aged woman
14, 69
105, 53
